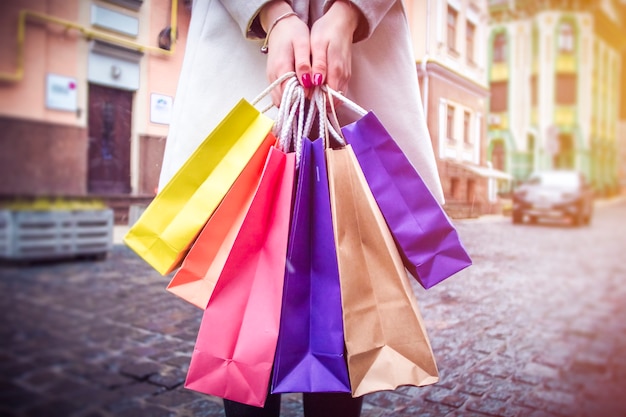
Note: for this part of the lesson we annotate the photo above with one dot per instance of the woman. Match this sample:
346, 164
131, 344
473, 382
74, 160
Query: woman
361, 48
374, 67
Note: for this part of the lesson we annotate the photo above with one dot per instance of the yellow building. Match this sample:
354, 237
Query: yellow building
86, 89
554, 74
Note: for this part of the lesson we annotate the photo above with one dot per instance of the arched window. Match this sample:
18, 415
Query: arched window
499, 47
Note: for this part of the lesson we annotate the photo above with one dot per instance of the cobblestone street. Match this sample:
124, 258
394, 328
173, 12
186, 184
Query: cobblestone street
535, 328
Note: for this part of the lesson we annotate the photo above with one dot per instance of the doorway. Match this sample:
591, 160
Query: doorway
110, 114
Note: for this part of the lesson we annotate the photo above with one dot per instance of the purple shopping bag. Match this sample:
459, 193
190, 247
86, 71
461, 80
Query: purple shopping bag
310, 350
427, 241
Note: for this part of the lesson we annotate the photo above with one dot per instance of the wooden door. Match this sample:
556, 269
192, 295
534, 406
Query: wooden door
110, 114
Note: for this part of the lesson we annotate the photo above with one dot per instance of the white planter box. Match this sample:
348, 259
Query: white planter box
50, 234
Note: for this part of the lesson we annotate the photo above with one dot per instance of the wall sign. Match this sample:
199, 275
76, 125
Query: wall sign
160, 108
61, 93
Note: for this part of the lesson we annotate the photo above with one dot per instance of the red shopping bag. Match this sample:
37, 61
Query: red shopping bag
235, 347
197, 276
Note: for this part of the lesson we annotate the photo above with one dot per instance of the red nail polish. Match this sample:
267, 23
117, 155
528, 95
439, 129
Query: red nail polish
306, 80
317, 79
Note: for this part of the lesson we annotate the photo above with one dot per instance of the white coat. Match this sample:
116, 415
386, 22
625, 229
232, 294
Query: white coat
223, 64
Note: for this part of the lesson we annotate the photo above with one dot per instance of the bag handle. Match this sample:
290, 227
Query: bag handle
292, 125
273, 85
284, 109
329, 123
351, 104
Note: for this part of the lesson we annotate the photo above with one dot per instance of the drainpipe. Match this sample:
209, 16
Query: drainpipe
87, 33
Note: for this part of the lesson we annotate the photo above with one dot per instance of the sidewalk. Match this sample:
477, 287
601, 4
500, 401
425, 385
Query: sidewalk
535, 328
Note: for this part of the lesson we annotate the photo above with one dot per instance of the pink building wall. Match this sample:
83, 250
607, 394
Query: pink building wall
43, 152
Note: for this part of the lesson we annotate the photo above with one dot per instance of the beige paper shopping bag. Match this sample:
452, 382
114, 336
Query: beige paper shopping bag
386, 341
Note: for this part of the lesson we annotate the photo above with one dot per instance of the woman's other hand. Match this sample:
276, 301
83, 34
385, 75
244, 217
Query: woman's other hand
331, 45
288, 46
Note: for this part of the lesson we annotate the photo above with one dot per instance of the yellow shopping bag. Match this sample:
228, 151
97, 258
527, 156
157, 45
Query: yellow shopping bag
163, 234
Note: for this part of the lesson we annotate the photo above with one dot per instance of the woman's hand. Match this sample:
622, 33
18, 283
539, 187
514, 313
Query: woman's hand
331, 45
288, 46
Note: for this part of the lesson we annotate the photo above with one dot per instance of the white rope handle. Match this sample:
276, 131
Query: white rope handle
320, 104
334, 127
299, 132
351, 104
273, 85
285, 127
285, 106
290, 126
291, 130
308, 124
327, 128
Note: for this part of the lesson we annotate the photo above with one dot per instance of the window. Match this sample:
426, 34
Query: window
566, 89
450, 122
466, 127
451, 38
566, 38
499, 96
499, 47
470, 33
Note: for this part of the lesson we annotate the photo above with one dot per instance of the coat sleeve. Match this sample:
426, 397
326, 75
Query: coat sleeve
373, 11
245, 13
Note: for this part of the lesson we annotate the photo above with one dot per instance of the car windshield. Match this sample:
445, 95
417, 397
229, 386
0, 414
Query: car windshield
556, 180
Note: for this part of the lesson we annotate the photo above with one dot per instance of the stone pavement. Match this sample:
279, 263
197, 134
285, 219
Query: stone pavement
534, 328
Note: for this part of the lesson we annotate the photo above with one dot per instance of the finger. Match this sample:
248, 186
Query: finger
302, 61
339, 66
319, 62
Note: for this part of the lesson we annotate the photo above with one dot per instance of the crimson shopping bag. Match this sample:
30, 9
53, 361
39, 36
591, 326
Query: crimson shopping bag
235, 347
429, 243
310, 349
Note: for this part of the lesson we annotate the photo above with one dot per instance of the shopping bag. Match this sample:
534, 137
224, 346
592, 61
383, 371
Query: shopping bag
170, 224
429, 244
195, 280
236, 342
310, 349
386, 341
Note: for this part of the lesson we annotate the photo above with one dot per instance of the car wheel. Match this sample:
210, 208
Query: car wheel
579, 218
588, 216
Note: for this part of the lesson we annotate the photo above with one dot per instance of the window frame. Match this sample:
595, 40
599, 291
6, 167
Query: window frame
470, 41
450, 110
451, 27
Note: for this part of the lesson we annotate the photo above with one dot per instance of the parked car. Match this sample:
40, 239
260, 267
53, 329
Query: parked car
554, 194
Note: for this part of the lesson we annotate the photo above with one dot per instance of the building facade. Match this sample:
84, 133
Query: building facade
449, 39
86, 89
554, 75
